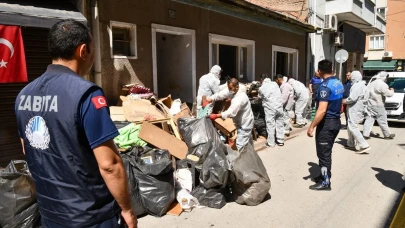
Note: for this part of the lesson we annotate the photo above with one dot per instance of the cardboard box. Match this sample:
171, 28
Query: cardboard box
117, 113
227, 127
136, 110
163, 140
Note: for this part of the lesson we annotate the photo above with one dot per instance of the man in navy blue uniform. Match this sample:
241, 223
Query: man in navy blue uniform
326, 122
314, 84
67, 136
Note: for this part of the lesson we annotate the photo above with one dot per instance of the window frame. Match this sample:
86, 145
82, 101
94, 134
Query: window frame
133, 39
371, 45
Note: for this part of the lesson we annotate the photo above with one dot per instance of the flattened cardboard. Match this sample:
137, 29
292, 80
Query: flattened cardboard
117, 113
175, 209
136, 110
163, 140
225, 126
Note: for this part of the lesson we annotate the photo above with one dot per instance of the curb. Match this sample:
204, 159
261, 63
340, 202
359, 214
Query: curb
259, 144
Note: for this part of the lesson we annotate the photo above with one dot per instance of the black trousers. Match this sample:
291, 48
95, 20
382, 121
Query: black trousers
326, 133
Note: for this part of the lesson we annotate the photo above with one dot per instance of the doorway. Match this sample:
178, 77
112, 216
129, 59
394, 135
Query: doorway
174, 70
235, 56
228, 61
285, 61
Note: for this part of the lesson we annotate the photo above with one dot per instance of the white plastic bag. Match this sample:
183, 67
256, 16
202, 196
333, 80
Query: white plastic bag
184, 179
186, 200
176, 107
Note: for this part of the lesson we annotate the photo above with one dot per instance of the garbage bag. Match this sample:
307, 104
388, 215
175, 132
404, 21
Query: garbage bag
203, 141
214, 197
153, 171
251, 183
136, 199
18, 207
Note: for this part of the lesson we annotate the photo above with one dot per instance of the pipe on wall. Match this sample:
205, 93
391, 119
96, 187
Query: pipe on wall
96, 38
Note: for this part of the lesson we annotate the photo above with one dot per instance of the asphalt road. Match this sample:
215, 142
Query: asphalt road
365, 189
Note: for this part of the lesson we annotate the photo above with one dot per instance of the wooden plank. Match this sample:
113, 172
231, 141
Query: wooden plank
163, 140
227, 126
175, 209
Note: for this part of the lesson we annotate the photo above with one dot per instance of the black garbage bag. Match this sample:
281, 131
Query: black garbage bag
213, 198
203, 141
251, 183
18, 207
136, 199
260, 125
153, 172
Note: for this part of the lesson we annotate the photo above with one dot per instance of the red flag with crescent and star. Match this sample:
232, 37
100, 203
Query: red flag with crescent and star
12, 56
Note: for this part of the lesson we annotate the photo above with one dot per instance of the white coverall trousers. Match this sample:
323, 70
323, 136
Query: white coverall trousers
376, 113
274, 123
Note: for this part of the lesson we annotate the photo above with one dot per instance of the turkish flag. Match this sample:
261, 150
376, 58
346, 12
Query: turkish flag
12, 56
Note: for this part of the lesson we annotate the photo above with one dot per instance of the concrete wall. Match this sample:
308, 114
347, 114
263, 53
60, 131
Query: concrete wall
174, 66
143, 13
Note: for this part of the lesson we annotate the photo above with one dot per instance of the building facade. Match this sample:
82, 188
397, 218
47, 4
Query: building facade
387, 51
343, 24
168, 45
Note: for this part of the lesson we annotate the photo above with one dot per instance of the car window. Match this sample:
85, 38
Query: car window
398, 84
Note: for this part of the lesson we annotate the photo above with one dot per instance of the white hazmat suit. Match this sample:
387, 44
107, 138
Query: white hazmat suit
301, 94
287, 99
209, 85
241, 113
375, 97
356, 108
270, 95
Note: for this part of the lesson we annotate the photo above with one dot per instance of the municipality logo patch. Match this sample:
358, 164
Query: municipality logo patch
323, 94
37, 133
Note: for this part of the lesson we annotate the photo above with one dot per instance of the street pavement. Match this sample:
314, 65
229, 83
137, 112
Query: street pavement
366, 189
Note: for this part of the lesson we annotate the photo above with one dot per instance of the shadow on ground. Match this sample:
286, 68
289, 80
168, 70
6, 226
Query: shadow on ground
313, 170
342, 141
393, 180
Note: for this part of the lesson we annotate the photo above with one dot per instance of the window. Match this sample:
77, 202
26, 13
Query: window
382, 12
122, 40
377, 42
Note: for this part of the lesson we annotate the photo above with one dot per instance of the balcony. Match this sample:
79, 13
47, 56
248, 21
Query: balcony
360, 14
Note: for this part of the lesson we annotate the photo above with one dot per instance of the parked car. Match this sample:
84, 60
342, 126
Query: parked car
395, 104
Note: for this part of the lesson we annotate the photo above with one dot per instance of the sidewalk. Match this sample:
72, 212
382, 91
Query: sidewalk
259, 144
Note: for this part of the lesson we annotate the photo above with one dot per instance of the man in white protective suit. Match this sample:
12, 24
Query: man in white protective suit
355, 109
287, 99
209, 85
270, 95
240, 111
376, 93
301, 94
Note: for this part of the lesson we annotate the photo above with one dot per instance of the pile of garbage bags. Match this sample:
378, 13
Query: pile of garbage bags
18, 206
222, 173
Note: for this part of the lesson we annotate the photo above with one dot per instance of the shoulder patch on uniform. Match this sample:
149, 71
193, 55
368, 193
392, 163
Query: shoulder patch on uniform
323, 94
99, 102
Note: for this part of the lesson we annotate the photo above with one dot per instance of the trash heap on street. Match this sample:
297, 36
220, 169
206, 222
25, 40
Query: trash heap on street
174, 162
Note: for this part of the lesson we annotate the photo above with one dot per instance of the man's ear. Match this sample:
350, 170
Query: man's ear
82, 51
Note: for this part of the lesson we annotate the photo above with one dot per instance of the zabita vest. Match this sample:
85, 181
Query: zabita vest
69, 187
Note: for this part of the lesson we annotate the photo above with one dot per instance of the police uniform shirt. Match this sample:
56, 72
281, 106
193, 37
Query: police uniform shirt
331, 90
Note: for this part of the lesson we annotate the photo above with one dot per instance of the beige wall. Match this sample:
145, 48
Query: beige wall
395, 34
116, 72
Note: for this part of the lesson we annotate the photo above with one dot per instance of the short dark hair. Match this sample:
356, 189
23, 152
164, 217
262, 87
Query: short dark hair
65, 36
264, 76
325, 66
279, 76
233, 82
